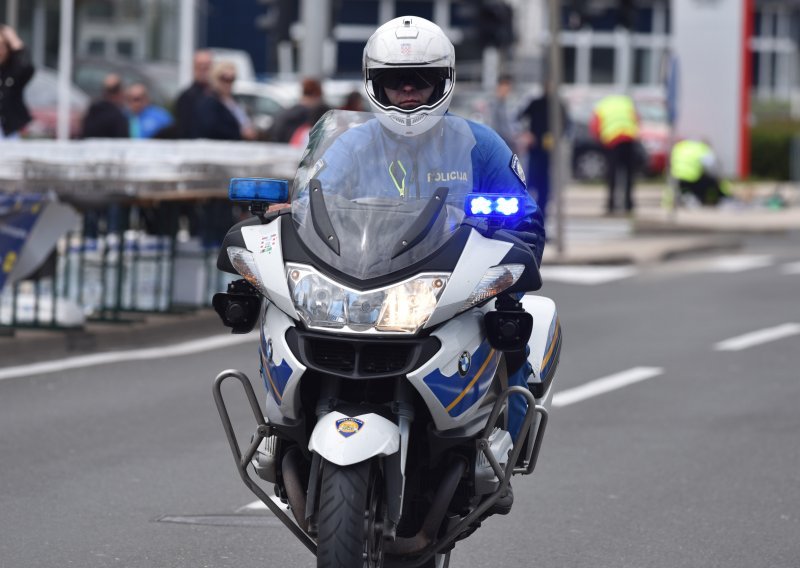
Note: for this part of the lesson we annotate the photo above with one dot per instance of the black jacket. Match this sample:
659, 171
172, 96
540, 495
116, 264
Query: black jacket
187, 109
14, 75
217, 121
104, 119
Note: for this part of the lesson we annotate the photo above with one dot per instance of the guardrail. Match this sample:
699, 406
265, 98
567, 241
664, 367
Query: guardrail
153, 214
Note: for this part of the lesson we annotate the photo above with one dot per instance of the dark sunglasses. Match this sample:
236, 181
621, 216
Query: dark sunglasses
227, 78
396, 79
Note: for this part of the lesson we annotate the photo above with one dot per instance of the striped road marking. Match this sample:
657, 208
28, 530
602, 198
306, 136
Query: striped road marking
186, 348
586, 275
739, 263
758, 337
604, 385
791, 268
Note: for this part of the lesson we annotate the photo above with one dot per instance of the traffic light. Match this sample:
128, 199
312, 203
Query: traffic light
496, 24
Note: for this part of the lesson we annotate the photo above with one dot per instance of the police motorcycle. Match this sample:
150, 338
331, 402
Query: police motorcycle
389, 322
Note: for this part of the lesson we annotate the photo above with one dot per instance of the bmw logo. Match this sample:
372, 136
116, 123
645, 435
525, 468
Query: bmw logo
269, 350
463, 363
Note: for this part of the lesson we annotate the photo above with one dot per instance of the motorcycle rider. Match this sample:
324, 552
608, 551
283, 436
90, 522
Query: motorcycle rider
409, 75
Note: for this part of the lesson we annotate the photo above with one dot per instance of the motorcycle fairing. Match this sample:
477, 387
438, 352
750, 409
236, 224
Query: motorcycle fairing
346, 440
545, 342
478, 256
264, 241
457, 392
439, 382
283, 369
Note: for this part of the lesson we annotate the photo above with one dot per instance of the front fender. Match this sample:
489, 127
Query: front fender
346, 440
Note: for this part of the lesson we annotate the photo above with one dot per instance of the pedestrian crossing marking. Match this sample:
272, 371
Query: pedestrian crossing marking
791, 268
586, 275
739, 263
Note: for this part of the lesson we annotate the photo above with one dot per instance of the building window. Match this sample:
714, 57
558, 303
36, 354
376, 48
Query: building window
568, 64
421, 8
359, 12
96, 47
602, 66
642, 65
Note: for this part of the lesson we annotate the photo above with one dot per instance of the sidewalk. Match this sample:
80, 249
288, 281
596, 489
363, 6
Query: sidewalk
650, 236
654, 234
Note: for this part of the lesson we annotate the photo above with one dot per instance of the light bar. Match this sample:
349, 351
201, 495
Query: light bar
493, 205
259, 189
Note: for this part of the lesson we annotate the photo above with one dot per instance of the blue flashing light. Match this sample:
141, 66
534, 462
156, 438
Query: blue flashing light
480, 206
259, 189
493, 205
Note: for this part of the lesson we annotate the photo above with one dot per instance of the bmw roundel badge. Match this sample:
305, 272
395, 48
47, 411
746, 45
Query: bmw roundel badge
463, 363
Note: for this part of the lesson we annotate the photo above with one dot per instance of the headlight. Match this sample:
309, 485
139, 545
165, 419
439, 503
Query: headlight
402, 308
494, 281
245, 264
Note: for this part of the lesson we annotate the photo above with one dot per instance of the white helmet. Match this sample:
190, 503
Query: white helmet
409, 49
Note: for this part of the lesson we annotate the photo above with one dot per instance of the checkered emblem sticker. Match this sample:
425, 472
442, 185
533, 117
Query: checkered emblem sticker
405, 49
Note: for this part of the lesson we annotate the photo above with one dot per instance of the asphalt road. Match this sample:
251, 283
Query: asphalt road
695, 463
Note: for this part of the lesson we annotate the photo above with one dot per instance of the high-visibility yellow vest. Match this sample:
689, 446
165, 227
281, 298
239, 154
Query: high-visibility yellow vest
686, 160
617, 116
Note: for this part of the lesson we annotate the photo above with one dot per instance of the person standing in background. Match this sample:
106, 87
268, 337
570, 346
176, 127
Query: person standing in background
105, 117
615, 124
15, 72
500, 118
145, 120
290, 119
220, 116
539, 142
188, 102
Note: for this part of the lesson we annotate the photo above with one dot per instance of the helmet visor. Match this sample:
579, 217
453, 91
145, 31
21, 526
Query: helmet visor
396, 79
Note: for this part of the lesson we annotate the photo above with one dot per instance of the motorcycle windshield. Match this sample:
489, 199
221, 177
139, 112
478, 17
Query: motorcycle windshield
369, 202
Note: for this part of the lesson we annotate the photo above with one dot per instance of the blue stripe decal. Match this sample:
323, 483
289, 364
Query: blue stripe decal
448, 388
275, 377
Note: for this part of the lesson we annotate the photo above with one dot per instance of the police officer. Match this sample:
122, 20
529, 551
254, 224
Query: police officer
15, 72
616, 124
693, 166
409, 74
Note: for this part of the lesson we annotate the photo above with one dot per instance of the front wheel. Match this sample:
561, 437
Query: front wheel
350, 517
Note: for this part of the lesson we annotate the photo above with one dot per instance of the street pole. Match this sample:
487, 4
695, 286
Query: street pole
12, 13
64, 68
186, 47
556, 124
314, 15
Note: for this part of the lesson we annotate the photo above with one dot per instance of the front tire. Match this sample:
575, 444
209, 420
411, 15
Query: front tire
349, 517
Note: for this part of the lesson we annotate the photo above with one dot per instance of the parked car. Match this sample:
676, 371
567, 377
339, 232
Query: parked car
262, 102
41, 97
161, 79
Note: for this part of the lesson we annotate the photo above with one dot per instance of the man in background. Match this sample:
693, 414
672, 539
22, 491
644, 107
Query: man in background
186, 107
145, 120
105, 117
615, 124
294, 117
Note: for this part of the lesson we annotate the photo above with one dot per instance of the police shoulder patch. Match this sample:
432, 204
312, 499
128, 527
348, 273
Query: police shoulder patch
516, 167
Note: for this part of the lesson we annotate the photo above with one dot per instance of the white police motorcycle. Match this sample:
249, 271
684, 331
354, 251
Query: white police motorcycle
389, 325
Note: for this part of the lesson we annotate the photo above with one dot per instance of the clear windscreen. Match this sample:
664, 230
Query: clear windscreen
368, 202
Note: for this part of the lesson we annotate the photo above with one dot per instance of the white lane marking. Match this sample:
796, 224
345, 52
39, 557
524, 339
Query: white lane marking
758, 337
791, 268
186, 348
739, 263
605, 384
588, 275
